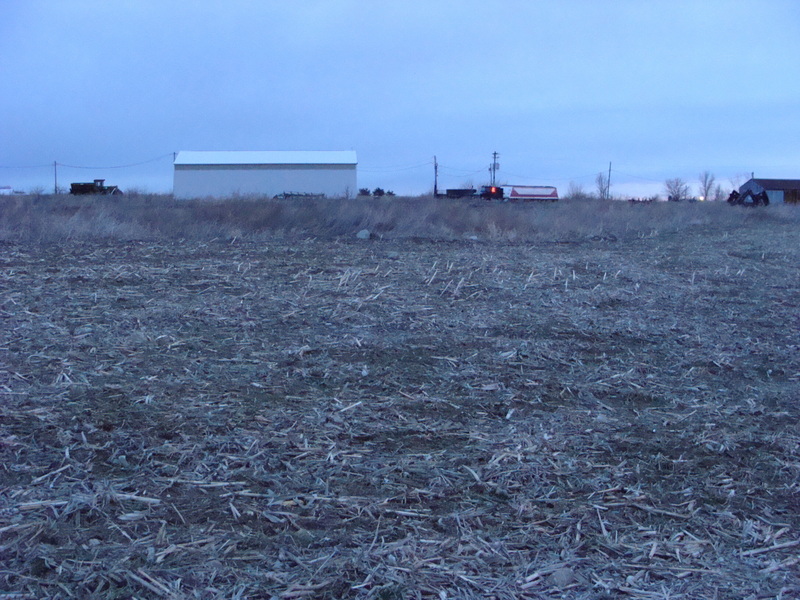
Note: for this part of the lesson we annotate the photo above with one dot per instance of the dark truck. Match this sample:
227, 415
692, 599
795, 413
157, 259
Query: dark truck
98, 187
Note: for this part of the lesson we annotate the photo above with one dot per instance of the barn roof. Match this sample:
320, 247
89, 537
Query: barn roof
283, 157
778, 184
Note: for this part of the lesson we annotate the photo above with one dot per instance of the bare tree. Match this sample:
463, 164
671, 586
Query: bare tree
737, 180
576, 191
707, 180
719, 193
603, 188
677, 189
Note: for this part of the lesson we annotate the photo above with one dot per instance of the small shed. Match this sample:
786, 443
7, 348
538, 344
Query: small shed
778, 190
285, 174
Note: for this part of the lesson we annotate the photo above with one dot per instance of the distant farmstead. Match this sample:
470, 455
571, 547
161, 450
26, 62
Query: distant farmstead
289, 174
777, 190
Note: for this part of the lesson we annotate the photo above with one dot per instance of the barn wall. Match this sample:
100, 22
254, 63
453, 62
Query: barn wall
775, 196
221, 181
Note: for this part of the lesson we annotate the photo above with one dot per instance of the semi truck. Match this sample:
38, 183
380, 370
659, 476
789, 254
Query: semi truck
507, 193
494, 191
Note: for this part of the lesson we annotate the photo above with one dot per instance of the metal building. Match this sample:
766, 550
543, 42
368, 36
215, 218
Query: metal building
265, 173
778, 190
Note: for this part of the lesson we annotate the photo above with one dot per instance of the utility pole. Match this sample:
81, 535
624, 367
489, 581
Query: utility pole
493, 168
435, 177
608, 183
55, 177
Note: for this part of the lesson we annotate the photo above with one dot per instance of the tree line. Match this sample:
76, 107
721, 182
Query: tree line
377, 192
675, 189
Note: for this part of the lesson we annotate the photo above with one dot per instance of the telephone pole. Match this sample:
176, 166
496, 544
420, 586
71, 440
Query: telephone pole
55, 177
435, 177
608, 183
493, 168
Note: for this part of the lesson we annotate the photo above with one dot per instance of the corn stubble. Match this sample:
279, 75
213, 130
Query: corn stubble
243, 400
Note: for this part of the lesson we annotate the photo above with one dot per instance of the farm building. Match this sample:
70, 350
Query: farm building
778, 190
263, 173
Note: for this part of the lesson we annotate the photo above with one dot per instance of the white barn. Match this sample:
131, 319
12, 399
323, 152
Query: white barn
264, 173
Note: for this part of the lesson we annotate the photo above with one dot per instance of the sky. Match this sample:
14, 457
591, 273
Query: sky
558, 88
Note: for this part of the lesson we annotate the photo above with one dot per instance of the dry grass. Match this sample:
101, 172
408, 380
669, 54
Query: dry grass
59, 218
600, 408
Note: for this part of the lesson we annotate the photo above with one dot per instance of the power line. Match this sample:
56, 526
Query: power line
60, 164
461, 171
47, 166
637, 176
391, 169
592, 175
136, 164
553, 179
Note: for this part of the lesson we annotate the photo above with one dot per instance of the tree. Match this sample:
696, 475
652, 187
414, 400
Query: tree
677, 189
719, 194
364, 192
736, 180
603, 187
576, 191
706, 185
378, 192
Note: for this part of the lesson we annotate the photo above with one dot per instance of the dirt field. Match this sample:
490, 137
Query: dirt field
395, 419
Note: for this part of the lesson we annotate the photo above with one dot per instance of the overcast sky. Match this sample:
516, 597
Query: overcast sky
559, 88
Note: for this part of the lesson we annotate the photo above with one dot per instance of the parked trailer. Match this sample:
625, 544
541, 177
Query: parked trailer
460, 193
530, 193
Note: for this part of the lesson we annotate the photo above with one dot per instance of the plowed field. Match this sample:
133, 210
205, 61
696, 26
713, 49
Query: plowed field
394, 419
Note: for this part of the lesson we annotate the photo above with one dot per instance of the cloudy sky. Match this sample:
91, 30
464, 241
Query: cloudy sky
559, 88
